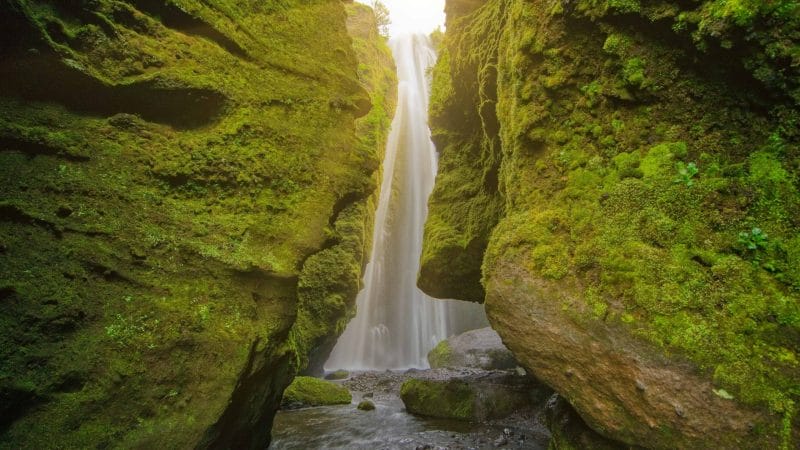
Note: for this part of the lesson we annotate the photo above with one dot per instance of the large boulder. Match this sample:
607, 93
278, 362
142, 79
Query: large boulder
478, 349
468, 395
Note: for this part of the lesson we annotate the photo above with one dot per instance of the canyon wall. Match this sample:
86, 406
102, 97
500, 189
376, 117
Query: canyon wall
618, 182
185, 195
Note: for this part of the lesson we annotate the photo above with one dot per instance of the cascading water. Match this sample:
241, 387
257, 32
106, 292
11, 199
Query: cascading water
396, 323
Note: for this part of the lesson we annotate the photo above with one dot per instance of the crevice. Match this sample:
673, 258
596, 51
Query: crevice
15, 402
15, 214
343, 202
44, 78
32, 71
107, 273
176, 18
727, 66
247, 420
6, 292
32, 149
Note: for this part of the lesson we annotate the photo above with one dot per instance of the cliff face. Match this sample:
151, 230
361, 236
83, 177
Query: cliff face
377, 73
619, 183
185, 210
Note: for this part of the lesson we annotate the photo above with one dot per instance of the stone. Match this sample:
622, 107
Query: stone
309, 391
469, 395
605, 366
479, 349
337, 375
366, 405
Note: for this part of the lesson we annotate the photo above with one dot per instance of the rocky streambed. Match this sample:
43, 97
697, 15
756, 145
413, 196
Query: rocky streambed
475, 397
391, 426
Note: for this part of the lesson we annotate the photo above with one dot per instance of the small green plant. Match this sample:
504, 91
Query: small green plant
686, 173
204, 312
754, 239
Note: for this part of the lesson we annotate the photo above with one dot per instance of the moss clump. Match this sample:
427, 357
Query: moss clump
602, 108
441, 355
448, 399
366, 405
309, 391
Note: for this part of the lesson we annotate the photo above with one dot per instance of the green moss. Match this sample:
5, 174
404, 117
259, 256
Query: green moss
308, 391
441, 355
597, 120
330, 279
366, 405
443, 399
158, 259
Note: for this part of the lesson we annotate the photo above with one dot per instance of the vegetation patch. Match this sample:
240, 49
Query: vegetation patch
308, 391
448, 399
647, 153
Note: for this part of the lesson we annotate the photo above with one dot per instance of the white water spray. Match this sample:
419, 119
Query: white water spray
397, 324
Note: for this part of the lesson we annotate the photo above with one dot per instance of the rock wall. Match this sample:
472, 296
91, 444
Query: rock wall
184, 211
618, 181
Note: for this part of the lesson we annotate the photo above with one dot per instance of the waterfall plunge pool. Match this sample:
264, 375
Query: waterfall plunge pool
389, 426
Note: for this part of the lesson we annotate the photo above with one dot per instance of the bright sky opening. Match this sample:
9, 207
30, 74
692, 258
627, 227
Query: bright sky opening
413, 16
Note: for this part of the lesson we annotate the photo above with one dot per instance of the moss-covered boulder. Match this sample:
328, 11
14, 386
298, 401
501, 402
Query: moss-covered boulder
184, 211
366, 405
310, 391
476, 349
620, 178
447, 399
470, 395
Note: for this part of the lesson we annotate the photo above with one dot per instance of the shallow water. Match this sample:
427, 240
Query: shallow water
389, 426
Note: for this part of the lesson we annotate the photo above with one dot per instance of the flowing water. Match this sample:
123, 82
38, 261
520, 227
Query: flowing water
397, 324
390, 427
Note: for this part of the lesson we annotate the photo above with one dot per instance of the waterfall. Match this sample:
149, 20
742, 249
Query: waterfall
396, 324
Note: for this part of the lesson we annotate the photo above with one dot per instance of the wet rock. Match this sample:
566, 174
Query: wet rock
618, 384
337, 375
308, 391
479, 349
366, 405
471, 395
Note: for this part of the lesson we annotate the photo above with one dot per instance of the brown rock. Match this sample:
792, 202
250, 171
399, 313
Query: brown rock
623, 387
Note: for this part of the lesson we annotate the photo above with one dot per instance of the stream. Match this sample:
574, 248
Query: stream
389, 426
396, 324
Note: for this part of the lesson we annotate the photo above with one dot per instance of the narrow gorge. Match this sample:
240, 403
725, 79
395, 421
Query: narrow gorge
285, 224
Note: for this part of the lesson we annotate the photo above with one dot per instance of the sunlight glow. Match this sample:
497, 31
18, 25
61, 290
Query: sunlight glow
413, 16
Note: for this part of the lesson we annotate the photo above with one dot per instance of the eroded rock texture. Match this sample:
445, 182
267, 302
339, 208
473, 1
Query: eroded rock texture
618, 182
184, 209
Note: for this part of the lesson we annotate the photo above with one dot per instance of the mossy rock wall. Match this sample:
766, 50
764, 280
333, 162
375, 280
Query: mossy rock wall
636, 163
184, 209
